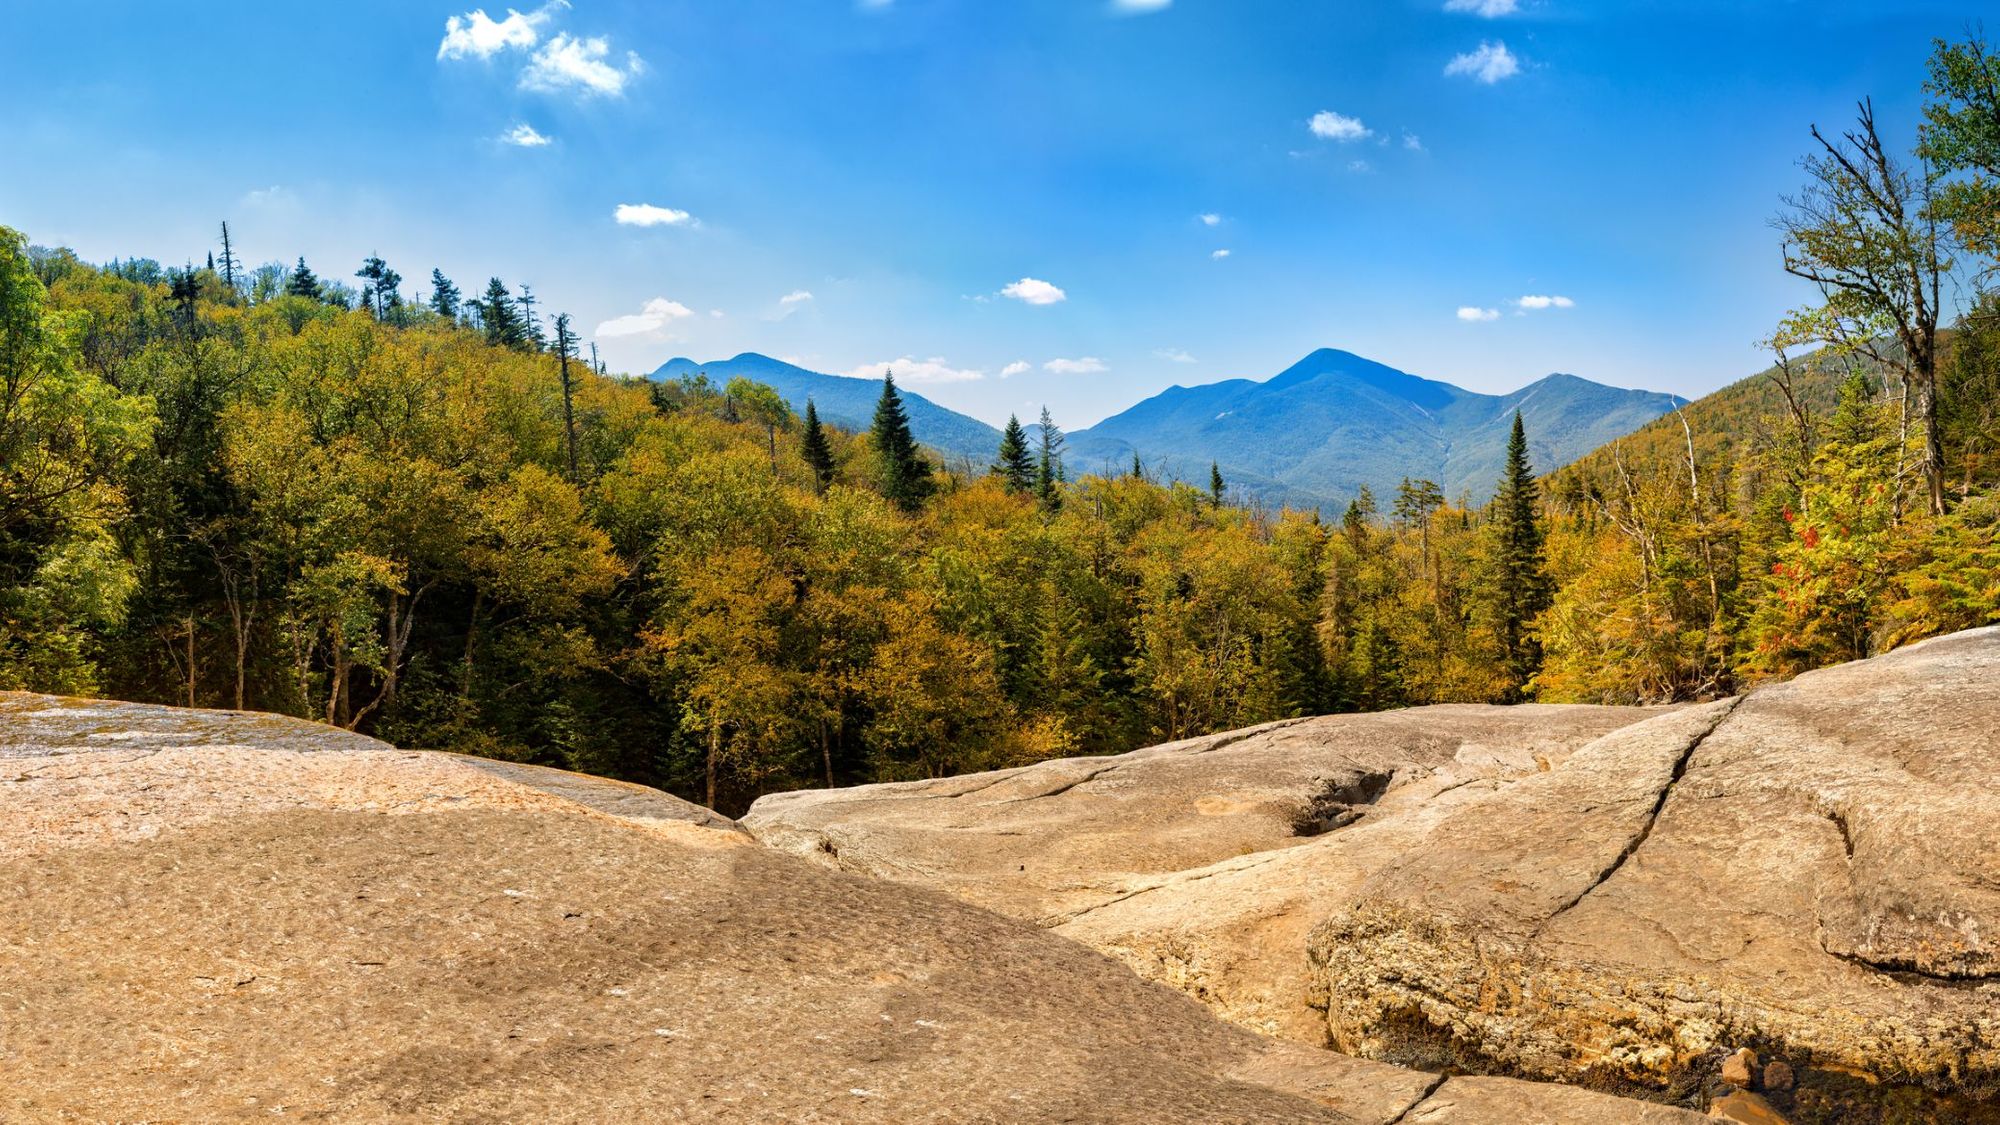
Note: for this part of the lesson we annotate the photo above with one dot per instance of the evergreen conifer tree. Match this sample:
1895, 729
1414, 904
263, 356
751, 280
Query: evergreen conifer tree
906, 476
503, 323
1215, 485
1013, 466
1138, 469
816, 449
303, 282
1048, 465
444, 296
1521, 582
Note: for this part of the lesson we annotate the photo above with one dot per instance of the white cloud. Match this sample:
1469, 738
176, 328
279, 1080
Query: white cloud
1218, 255
909, 369
657, 314
478, 35
1085, 365
1332, 126
1211, 219
1540, 302
716, 313
568, 63
1360, 166
525, 136
1488, 9
1174, 355
647, 215
1140, 5
1476, 314
791, 303
1413, 142
1489, 64
1034, 292
275, 197
1018, 367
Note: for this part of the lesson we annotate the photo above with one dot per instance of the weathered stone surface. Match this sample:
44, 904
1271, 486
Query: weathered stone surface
1505, 1101
198, 929
1056, 839
1740, 1068
1814, 869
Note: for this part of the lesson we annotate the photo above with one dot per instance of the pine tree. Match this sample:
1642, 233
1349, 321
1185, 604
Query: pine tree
1521, 582
503, 323
817, 451
444, 296
906, 476
303, 283
531, 325
1215, 484
1138, 469
1013, 466
1049, 466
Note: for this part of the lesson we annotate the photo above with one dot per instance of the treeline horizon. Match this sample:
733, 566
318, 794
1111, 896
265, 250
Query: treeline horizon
437, 523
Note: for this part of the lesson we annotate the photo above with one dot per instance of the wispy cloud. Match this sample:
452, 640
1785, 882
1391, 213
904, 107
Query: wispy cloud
478, 35
1018, 367
1084, 365
791, 303
1486, 9
909, 369
524, 135
1218, 255
1034, 291
1490, 63
1174, 355
1211, 219
654, 316
647, 215
568, 64
1331, 126
1533, 302
1413, 142
1137, 6
1476, 314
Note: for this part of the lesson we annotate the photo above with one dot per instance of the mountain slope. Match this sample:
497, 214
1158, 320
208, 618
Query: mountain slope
849, 403
1334, 421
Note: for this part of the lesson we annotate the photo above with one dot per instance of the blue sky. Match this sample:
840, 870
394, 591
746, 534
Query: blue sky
848, 183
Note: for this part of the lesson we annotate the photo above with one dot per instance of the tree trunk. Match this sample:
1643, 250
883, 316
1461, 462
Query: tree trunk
714, 755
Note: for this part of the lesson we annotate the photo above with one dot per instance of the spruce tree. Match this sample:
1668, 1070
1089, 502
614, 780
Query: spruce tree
1215, 484
1013, 466
444, 296
817, 451
906, 476
1138, 469
230, 264
1521, 582
565, 351
1048, 465
303, 282
503, 323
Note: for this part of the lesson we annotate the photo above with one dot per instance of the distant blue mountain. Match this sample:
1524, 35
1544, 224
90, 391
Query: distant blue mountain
1309, 437
1319, 430
849, 403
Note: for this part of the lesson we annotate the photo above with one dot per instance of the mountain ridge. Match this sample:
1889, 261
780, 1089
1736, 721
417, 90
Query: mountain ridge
1310, 436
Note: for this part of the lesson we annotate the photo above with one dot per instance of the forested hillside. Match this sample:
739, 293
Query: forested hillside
437, 523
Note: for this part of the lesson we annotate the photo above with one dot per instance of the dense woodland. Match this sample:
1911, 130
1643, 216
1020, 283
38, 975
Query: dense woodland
437, 522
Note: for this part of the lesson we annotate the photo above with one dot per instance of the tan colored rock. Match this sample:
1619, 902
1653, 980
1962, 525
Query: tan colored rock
1505, 1101
195, 927
1816, 866
1746, 1107
1777, 1077
1186, 860
1052, 840
1740, 1068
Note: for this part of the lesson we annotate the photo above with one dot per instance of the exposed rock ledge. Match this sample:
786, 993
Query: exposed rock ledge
215, 916
1589, 896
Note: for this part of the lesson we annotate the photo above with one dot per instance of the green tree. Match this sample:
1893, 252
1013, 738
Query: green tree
444, 296
1049, 463
303, 282
504, 327
816, 450
1520, 581
1961, 134
1215, 485
905, 474
1013, 465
